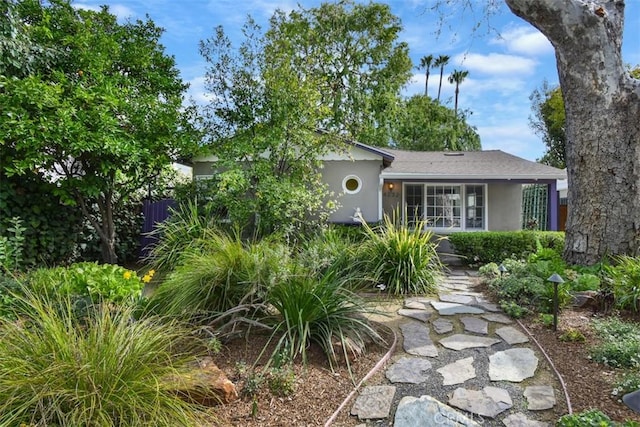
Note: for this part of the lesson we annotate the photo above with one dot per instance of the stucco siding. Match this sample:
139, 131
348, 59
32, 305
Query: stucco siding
505, 206
334, 173
202, 168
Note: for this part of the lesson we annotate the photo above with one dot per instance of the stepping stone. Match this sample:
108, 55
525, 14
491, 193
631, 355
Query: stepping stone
520, 420
374, 402
475, 325
458, 371
511, 335
457, 298
421, 315
409, 370
450, 308
488, 306
416, 340
488, 402
498, 318
427, 411
540, 397
442, 326
424, 301
415, 305
461, 341
515, 365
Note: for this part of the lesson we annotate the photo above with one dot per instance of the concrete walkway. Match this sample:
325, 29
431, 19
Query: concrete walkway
460, 362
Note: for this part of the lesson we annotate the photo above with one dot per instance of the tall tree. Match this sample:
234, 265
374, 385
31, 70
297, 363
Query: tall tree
457, 77
441, 62
602, 104
102, 118
548, 121
423, 124
426, 63
352, 51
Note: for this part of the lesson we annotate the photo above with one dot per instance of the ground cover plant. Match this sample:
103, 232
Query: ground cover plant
102, 370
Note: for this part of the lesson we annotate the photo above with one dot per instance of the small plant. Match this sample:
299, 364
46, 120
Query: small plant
546, 319
282, 381
620, 344
625, 275
489, 271
591, 418
628, 382
512, 309
11, 246
572, 335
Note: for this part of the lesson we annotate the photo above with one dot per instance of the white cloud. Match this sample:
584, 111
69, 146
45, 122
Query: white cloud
122, 12
197, 91
496, 63
524, 40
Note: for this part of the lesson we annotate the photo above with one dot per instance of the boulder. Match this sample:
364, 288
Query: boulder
204, 383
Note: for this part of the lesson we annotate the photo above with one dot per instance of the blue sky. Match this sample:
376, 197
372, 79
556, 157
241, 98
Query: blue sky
506, 61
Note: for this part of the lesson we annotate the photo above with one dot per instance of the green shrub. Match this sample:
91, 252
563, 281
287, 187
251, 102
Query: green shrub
221, 274
512, 309
585, 282
98, 282
319, 311
572, 335
628, 382
489, 271
625, 274
620, 343
494, 246
108, 371
401, 260
591, 418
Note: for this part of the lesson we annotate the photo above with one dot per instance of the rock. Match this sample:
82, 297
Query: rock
421, 315
498, 318
374, 402
457, 298
427, 411
488, 402
461, 341
409, 370
540, 397
511, 335
442, 326
475, 325
451, 308
458, 371
520, 420
515, 365
205, 384
417, 341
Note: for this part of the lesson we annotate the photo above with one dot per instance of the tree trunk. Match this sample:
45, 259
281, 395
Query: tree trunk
602, 104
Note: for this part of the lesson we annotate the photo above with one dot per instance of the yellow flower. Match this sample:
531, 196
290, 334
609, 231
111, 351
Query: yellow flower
127, 275
146, 278
151, 273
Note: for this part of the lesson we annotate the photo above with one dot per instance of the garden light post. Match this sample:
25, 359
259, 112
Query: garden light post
502, 269
556, 280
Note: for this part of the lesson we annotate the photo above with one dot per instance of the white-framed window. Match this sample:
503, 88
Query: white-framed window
351, 184
446, 207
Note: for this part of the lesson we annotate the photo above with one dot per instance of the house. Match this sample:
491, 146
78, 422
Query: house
452, 191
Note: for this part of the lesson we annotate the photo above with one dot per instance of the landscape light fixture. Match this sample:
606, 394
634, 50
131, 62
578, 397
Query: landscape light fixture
502, 269
556, 280
632, 400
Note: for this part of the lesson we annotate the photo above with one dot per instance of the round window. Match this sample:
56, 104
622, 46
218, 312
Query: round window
351, 184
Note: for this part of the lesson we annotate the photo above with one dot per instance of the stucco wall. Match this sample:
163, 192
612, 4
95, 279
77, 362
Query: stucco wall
335, 171
202, 168
505, 206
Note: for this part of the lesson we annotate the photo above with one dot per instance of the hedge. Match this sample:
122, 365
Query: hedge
483, 247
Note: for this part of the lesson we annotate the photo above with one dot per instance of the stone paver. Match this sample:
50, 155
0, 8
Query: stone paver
442, 326
497, 317
457, 298
520, 420
511, 335
451, 308
421, 315
427, 411
415, 305
488, 402
488, 306
475, 325
462, 341
458, 371
416, 340
374, 402
515, 365
411, 370
540, 397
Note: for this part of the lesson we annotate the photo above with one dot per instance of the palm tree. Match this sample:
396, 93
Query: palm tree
441, 61
425, 63
457, 77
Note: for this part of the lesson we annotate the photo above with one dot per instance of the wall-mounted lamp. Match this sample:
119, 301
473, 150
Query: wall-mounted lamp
391, 186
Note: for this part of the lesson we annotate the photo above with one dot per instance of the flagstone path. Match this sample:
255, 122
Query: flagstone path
461, 363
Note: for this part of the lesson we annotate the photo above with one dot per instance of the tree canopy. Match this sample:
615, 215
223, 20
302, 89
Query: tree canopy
101, 118
548, 121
